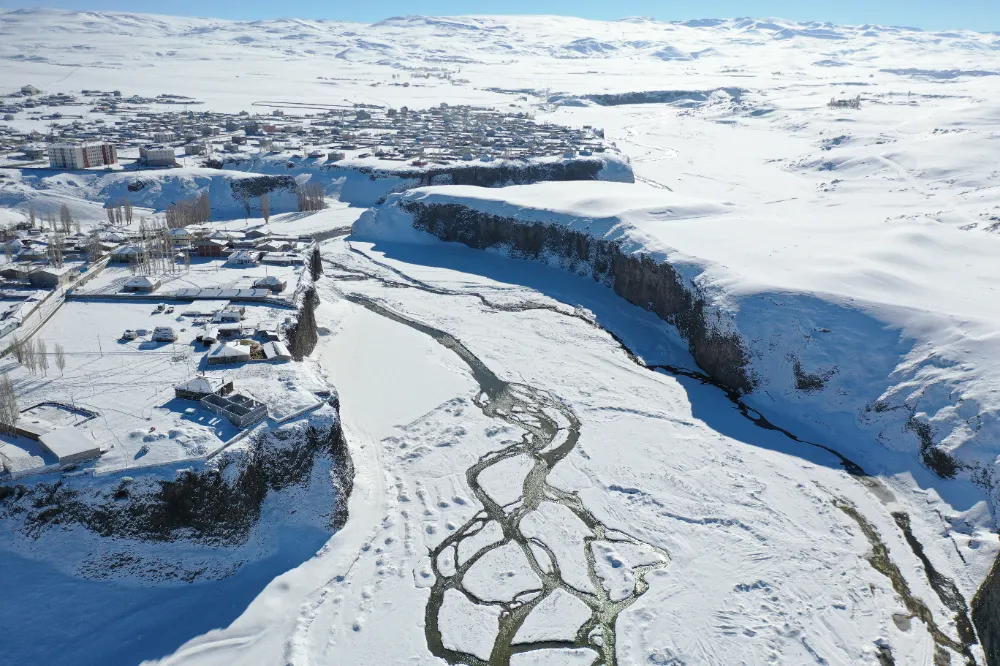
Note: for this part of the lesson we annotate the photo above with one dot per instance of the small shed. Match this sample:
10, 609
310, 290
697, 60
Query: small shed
259, 232
53, 278
231, 314
282, 259
15, 271
270, 330
242, 258
276, 351
126, 253
69, 445
228, 353
142, 283
197, 388
271, 282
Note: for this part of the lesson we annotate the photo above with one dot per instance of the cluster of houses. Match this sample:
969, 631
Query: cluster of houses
442, 133
253, 247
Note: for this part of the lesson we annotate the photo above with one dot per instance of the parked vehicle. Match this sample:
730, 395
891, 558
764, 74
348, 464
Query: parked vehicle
164, 334
129, 335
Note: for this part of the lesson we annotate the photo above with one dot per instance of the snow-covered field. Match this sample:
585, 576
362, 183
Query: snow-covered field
130, 384
644, 519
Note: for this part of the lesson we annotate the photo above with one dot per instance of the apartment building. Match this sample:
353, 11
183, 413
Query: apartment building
157, 155
81, 156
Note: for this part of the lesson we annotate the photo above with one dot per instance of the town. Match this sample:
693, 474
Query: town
105, 128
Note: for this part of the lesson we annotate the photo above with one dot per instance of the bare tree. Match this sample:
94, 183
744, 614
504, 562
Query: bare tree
204, 208
128, 210
32, 216
57, 247
265, 207
30, 356
310, 197
93, 247
110, 210
8, 252
247, 205
65, 218
43, 356
60, 358
9, 411
18, 349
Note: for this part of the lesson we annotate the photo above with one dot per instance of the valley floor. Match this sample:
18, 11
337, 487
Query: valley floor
528, 494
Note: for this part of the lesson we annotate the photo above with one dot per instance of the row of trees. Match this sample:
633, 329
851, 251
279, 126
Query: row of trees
34, 354
120, 212
315, 264
310, 197
302, 337
9, 409
56, 249
189, 211
155, 250
64, 223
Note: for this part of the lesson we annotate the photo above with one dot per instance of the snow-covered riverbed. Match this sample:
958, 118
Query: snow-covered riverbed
757, 550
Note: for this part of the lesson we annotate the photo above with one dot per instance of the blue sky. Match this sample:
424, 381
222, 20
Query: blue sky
928, 14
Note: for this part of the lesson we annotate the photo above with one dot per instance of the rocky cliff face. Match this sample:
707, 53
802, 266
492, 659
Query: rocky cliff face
179, 513
658, 287
369, 186
220, 503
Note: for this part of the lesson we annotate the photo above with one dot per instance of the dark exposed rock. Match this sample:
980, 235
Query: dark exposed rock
637, 278
986, 615
254, 188
220, 505
493, 175
660, 96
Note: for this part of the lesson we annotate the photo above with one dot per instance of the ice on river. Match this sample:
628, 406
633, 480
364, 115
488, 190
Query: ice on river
557, 657
468, 627
501, 575
504, 481
557, 617
563, 532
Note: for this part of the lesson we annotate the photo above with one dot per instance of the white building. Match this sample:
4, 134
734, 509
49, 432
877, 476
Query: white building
81, 156
155, 154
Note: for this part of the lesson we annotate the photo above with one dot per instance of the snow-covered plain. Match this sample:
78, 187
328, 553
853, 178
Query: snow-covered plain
876, 227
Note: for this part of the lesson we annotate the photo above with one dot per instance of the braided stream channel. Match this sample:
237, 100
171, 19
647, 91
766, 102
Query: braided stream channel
546, 442
551, 431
